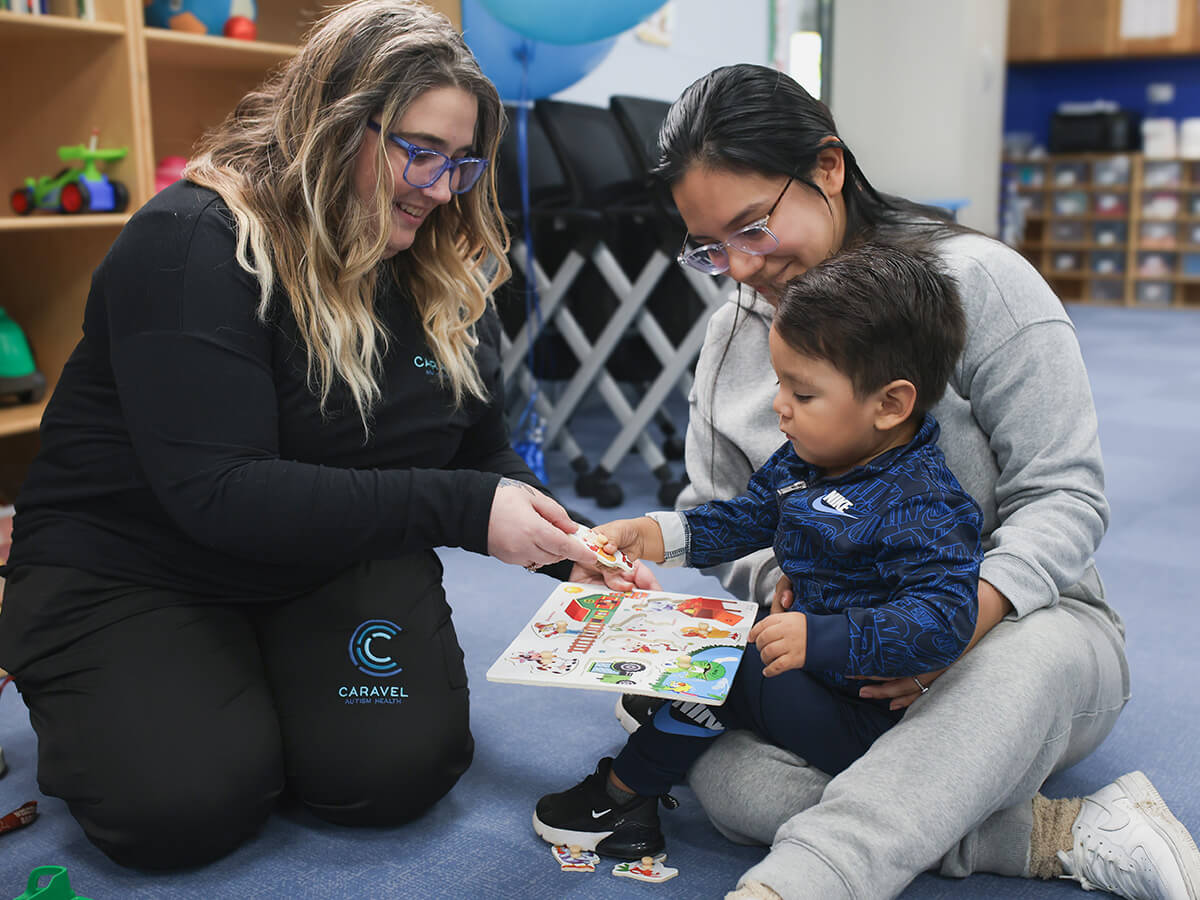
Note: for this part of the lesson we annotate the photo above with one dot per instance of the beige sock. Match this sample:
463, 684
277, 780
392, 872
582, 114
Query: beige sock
753, 890
1052, 821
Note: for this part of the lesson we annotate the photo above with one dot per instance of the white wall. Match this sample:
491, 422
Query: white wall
707, 34
918, 93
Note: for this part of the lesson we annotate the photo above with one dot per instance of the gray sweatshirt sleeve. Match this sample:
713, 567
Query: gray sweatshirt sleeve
726, 446
1030, 399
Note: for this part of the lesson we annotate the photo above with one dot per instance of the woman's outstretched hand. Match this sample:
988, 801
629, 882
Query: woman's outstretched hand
527, 528
642, 578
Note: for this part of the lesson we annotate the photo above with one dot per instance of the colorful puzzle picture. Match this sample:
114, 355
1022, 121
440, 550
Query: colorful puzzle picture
642, 642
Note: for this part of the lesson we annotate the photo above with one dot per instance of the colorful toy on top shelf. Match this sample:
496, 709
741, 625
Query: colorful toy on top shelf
18, 376
73, 190
203, 16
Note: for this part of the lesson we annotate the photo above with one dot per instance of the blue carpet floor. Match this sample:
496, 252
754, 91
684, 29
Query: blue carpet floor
477, 843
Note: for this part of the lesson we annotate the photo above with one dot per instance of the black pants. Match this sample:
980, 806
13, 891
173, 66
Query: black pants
171, 724
793, 710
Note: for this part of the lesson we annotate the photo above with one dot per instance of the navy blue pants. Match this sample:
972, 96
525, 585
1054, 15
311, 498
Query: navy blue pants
793, 710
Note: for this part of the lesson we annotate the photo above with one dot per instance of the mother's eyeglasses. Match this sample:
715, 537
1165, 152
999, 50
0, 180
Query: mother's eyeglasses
425, 166
756, 239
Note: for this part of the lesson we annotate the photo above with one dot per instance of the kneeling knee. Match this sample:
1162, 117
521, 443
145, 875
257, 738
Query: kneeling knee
192, 823
391, 789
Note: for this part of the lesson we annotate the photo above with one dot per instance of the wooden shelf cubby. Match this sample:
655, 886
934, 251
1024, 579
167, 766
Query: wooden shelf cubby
1111, 228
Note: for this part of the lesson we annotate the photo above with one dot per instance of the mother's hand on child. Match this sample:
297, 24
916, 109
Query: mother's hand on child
782, 641
784, 595
993, 607
901, 691
527, 528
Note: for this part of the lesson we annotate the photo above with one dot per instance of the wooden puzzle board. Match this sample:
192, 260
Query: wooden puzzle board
655, 643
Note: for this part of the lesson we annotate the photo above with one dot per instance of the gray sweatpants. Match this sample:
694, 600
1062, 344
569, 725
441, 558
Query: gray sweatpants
949, 787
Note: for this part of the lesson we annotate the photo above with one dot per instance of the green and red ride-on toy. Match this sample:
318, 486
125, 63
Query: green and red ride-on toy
75, 190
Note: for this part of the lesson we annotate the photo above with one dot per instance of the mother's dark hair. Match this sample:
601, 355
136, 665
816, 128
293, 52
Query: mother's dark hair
753, 118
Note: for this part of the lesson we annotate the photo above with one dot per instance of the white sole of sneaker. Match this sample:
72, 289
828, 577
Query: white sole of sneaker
628, 722
1139, 789
584, 840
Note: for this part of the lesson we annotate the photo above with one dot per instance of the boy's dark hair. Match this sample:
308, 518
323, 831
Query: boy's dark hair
877, 312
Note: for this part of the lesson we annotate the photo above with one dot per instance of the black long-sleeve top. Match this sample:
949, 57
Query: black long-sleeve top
184, 448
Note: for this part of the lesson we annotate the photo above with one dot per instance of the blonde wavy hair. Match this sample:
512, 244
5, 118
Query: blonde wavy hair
284, 163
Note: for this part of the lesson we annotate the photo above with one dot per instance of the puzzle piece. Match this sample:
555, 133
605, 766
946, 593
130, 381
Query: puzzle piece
575, 859
595, 542
648, 868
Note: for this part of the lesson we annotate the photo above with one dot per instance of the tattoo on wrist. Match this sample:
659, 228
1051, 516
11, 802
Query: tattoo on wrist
505, 481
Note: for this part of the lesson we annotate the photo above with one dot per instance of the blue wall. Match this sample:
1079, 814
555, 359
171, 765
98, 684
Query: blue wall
1034, 91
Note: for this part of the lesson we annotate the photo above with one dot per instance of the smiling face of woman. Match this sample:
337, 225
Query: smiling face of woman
442, 119
716, 202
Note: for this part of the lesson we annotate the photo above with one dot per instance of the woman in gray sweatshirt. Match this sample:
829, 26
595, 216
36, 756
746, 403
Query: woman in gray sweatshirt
954, 786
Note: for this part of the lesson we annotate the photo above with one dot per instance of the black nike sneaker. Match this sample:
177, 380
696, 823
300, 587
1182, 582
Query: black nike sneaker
635, 710
586, 817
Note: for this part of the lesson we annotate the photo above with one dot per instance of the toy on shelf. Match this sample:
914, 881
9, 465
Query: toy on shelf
168, 171
73, 190
18, 375
232, 18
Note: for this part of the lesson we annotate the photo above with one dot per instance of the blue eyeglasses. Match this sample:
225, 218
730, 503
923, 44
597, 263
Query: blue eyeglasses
425, 166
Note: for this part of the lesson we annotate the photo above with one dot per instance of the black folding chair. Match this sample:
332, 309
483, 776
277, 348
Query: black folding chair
607, 177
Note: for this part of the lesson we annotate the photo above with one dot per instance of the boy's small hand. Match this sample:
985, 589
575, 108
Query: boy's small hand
623, 535
784, 596
782, 641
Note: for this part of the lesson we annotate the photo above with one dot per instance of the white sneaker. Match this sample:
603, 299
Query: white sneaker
1128, 843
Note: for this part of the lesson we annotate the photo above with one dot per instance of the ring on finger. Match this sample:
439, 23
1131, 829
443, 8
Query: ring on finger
532, 567
924, 689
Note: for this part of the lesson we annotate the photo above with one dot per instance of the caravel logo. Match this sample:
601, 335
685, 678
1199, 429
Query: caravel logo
835, 503
369, 646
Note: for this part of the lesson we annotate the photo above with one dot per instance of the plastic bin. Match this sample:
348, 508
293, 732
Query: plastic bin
1066, 174
1066, 232
1158, 234
1110, 232
1111, 171
1070, 203
1155, 293
1107, 262
1106, 290
1162, 173
1111, 204
1066, 261
1154, 264
1160, 206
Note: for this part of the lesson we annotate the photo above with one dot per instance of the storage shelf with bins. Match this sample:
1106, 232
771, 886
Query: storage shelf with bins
152, 90
1111, 228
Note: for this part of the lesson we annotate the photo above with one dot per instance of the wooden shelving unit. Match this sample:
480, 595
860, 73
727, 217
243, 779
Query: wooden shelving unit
1111, 228
152, 90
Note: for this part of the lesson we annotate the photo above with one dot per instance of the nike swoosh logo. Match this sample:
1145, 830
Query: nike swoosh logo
603, 812
821, 506
1116, 817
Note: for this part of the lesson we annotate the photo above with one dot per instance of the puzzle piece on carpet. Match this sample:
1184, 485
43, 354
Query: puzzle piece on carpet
575, 859
648, 868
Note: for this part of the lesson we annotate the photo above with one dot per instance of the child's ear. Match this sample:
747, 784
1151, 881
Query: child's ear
896, 400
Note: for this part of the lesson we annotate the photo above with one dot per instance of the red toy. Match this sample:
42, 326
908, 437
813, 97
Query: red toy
241, 28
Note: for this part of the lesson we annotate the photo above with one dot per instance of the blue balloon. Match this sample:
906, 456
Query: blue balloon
504, 54
553, 22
